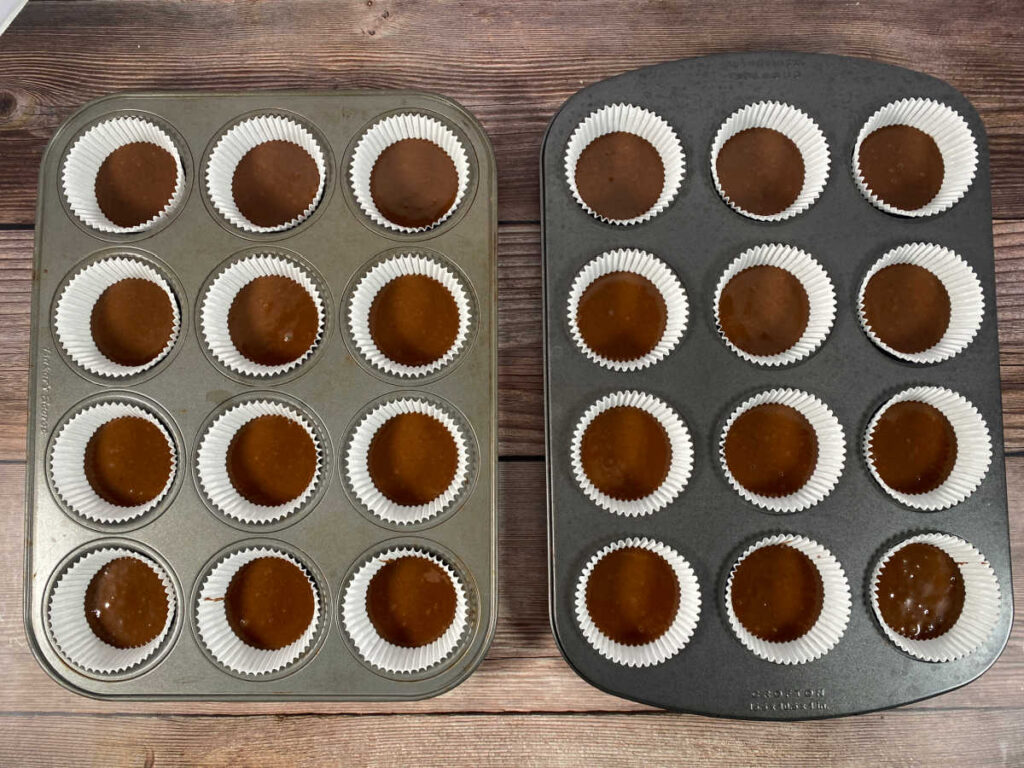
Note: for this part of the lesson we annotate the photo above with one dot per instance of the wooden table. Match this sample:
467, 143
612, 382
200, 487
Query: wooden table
512, 64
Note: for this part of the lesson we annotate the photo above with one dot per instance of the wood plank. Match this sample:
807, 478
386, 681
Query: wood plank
512, 64
921, 738
523, 671
520, 365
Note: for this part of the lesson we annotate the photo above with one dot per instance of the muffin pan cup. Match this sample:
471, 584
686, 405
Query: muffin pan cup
708, 523
189, 388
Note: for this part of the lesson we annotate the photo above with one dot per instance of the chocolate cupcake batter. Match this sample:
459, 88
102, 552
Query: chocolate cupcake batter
135, 183
271, 460
411, 601
902, 166
414, 320
913, 447
771, 450
633, 595
274, 182
126, 603
132, 321
413, 183
777, 593
621, 316
626, 453
920, 591
412, 459
907, 307
127, 461
620, 175
763, 310
761, 170
269, 603
273, 320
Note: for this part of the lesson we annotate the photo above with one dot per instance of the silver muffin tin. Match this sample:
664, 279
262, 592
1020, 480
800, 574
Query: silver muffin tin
332, 534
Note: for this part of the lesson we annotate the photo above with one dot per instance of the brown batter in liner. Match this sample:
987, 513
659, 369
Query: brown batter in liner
411, 601
135, 183
275, 182
271, 460
913, 447
412, 459
777, 593
633, 595
771, 450
902, 166
761, 170
127, 461
626, 453
273, 320
413, 183
763, 310
621, 316
414, 320
269, 603
620, 175
132, 321
126, 603
920, 591
907, 307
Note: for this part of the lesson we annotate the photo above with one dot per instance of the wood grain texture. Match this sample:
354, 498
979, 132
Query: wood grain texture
511, 63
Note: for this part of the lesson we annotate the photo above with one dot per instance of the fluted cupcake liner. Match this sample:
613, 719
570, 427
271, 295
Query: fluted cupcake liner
799, 128
627, 118
679, 631
821, 298
660, 275
981, 602
966, 299
234, 144
220, 639
391, 130
74, 638
386, 656
67, 463
681, 443
357, 471
379, 276
835, 608
216, 306
211, 463
973, 448
831, 450
83, 161
953, 137
73, 315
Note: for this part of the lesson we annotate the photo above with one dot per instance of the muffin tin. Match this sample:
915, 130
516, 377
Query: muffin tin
709, 524
332, 532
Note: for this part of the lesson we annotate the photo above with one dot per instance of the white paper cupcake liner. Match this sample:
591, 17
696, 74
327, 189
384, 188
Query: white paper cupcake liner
981, 602
831, 450
211, 463
221, 294
680, 468
627, 118
389, 131
70, 629
835, 607
661, 276
83, 161
236, 143
378, 652
966, 299
952, 136
67, 463
371, 284
799, 128
220, 639
821, 298
357, 471
73, 316
973, 448
675, 637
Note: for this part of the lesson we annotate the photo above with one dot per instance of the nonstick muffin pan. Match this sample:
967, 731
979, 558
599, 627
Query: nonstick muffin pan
701, 521
200, 250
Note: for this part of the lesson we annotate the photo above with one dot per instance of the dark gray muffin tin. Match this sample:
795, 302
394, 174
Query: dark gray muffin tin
335, 387
708, 523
